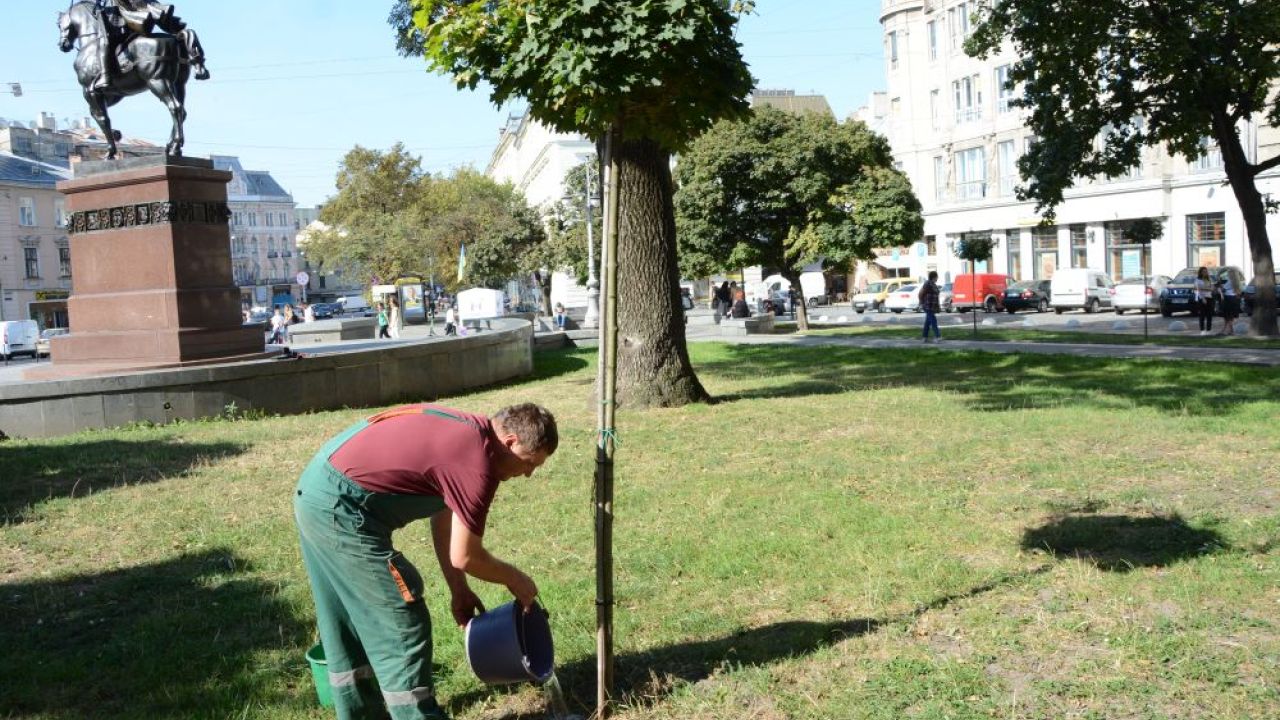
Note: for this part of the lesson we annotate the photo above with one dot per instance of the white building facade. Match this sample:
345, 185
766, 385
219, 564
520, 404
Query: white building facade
535, 159
956, 136
35, 253
264, 252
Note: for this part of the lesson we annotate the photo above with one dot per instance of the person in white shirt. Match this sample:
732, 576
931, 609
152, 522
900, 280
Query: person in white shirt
1204, 300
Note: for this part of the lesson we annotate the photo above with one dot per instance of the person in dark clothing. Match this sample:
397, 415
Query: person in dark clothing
740, 309
722, 300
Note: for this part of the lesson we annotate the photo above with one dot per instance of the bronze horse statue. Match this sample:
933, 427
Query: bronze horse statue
157, 62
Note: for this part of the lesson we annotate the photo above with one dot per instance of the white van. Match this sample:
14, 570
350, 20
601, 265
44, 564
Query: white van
18, 337
1080, 289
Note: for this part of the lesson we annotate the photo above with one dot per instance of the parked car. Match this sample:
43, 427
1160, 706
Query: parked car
980, 290
1027, 295
1080, 289
18, 337
1249, 295
42, 342
322, 311
946, 297
904, 298
873, 297
1138, 293
1180, 291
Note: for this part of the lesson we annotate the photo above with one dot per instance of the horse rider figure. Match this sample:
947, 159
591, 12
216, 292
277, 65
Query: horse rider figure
123, 20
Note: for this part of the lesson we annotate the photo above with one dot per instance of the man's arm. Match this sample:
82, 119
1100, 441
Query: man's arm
464, 603
468, 554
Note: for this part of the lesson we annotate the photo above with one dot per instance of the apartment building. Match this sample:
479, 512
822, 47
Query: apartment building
955, 133
265, 259
35, 254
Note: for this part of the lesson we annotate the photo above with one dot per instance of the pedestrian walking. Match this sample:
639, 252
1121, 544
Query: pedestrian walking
451, 321
1230, 298
408, 463
1204, 300
396, 321
383, 322
929, 302
722, 300
277, 327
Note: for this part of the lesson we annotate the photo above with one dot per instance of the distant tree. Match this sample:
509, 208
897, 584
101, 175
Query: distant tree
566, 247
389, 219
1104, 78
655, 73
784, 190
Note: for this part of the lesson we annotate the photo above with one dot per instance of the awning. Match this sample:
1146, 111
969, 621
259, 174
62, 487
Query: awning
888, 263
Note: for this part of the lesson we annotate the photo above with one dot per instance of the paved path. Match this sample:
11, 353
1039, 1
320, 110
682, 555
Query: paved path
956, 328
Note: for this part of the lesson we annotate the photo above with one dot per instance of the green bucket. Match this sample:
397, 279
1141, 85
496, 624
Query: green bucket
320, 674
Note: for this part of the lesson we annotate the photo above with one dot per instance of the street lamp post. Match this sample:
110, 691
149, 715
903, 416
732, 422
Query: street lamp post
592, 319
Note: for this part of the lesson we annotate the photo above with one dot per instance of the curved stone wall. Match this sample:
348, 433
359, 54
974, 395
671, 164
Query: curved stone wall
381, 376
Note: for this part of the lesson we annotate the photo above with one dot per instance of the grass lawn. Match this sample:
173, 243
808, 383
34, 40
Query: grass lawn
847, 534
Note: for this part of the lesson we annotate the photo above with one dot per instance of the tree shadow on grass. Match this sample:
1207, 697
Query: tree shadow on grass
1122, 543
651, 675
994, 381
554, 363
171, 639
33, 473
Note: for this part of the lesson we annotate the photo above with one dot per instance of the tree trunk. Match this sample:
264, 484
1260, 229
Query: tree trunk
1242, 179
543, 279
802, 307
653, 359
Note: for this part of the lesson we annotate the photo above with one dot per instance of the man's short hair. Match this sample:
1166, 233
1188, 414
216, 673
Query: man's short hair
933, 274
534, 425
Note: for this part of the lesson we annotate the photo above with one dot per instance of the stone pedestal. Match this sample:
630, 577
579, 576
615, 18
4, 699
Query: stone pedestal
151, 269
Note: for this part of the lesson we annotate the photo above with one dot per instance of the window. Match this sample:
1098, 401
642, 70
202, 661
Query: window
968, 97
1079, 247
1210, 160
934, 110
270, 219
954, 18
1044, 244
64, 261
1008, 166
1206, 239
939, 178
892, 41
933, 40
931, 244
60, 213
971, 174
31, 257
1013, 239
1004, 92
284, 220
27, 212
1125, 258
253, 219
895, 106
237, 218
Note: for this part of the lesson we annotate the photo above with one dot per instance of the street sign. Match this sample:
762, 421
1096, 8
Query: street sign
303, 278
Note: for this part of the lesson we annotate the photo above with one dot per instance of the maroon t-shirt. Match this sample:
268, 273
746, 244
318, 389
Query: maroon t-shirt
406, 451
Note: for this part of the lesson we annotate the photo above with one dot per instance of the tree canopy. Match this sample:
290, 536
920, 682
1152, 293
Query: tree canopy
389, 218
784, 190
584, 65
1104, 78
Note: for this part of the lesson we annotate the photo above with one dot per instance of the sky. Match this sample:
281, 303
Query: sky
297, 83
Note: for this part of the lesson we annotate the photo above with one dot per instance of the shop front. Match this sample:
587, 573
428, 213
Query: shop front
49, 309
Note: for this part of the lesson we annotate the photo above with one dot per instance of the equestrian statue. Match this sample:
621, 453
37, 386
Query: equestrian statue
126, 47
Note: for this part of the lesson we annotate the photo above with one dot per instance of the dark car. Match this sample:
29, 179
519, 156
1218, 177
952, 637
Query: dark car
1027, 295
1249, 295
1179, 294
322, 311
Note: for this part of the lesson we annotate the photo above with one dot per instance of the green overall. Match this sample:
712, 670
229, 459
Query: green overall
372, 618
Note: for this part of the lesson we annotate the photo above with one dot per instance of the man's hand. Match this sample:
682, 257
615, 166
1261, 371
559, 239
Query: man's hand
465, 605
523, 587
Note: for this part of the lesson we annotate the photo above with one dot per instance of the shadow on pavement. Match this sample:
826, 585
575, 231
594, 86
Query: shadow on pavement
994, 382
654, 674
162, 640
1122, 543
33, 473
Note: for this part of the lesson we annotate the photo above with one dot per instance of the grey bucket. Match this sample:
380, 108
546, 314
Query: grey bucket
507, 645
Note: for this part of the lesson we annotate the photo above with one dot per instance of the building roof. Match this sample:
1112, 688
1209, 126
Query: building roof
21, 171
789, 101
259, 182
256, 183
